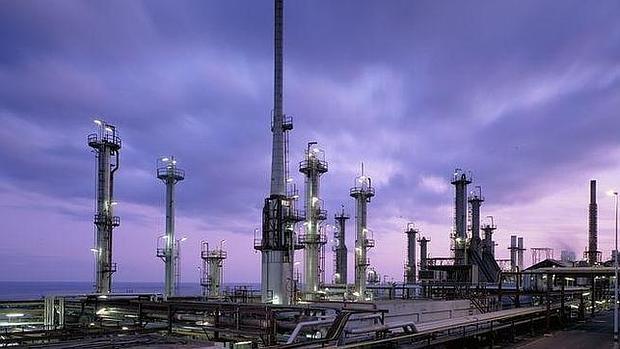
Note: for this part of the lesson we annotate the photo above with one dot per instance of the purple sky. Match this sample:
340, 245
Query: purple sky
525, 94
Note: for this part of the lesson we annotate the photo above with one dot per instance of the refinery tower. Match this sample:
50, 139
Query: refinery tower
277, 243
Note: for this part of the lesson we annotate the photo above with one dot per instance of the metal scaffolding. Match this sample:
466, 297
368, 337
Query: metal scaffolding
212, 269
106, 144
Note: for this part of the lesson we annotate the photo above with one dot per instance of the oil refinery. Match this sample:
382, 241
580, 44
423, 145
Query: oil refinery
468, 297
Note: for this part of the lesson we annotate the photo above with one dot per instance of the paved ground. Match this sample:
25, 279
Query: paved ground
596, 334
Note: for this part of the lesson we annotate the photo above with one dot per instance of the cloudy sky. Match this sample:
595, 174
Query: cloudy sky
525, 94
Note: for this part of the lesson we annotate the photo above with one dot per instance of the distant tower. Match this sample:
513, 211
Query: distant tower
106, 144
340, 248
410, 265
423, 252
277, 243
475, 200
170, 175
212, 269
460, 181
488, 244
362, 192
592, 254
313, 166
520, 251
513, 253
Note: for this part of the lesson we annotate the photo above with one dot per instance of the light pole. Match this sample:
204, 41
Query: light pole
615, 194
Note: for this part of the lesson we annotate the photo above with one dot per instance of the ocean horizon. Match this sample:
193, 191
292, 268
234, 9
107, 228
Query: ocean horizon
25, 290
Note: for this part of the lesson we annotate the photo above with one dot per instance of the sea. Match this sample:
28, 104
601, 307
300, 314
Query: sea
23, 290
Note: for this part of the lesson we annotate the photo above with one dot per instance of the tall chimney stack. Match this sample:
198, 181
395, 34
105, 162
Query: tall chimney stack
592, 254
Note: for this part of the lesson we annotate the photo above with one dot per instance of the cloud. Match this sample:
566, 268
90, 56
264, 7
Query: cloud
524, 94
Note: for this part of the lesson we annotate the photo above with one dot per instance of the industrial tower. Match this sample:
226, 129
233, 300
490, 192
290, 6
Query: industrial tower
340, 248
277, 243
212, 269
516, 253
410, 265
460, 181
313, 166
592, 254
475, 199
520, 250
488, 245
362, 192
424, 252
106, 144
167, 246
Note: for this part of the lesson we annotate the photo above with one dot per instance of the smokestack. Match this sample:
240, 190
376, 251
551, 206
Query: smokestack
593, 252
277, 243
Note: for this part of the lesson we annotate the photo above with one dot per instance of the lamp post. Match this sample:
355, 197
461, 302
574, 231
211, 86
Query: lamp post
615, 193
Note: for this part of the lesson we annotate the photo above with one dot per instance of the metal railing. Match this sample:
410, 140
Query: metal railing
95, 139
170, 171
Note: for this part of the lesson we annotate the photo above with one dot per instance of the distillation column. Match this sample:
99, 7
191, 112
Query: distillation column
170, 175
424, 252
489, 245
513, 253
340, 249
279, 215
460, 181
212, 269
410, 266
520, 251
362, 192
106, 144
592, 254
313, 166
475, 200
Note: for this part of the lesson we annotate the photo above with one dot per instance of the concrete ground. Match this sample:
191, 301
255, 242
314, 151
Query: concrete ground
596, 333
